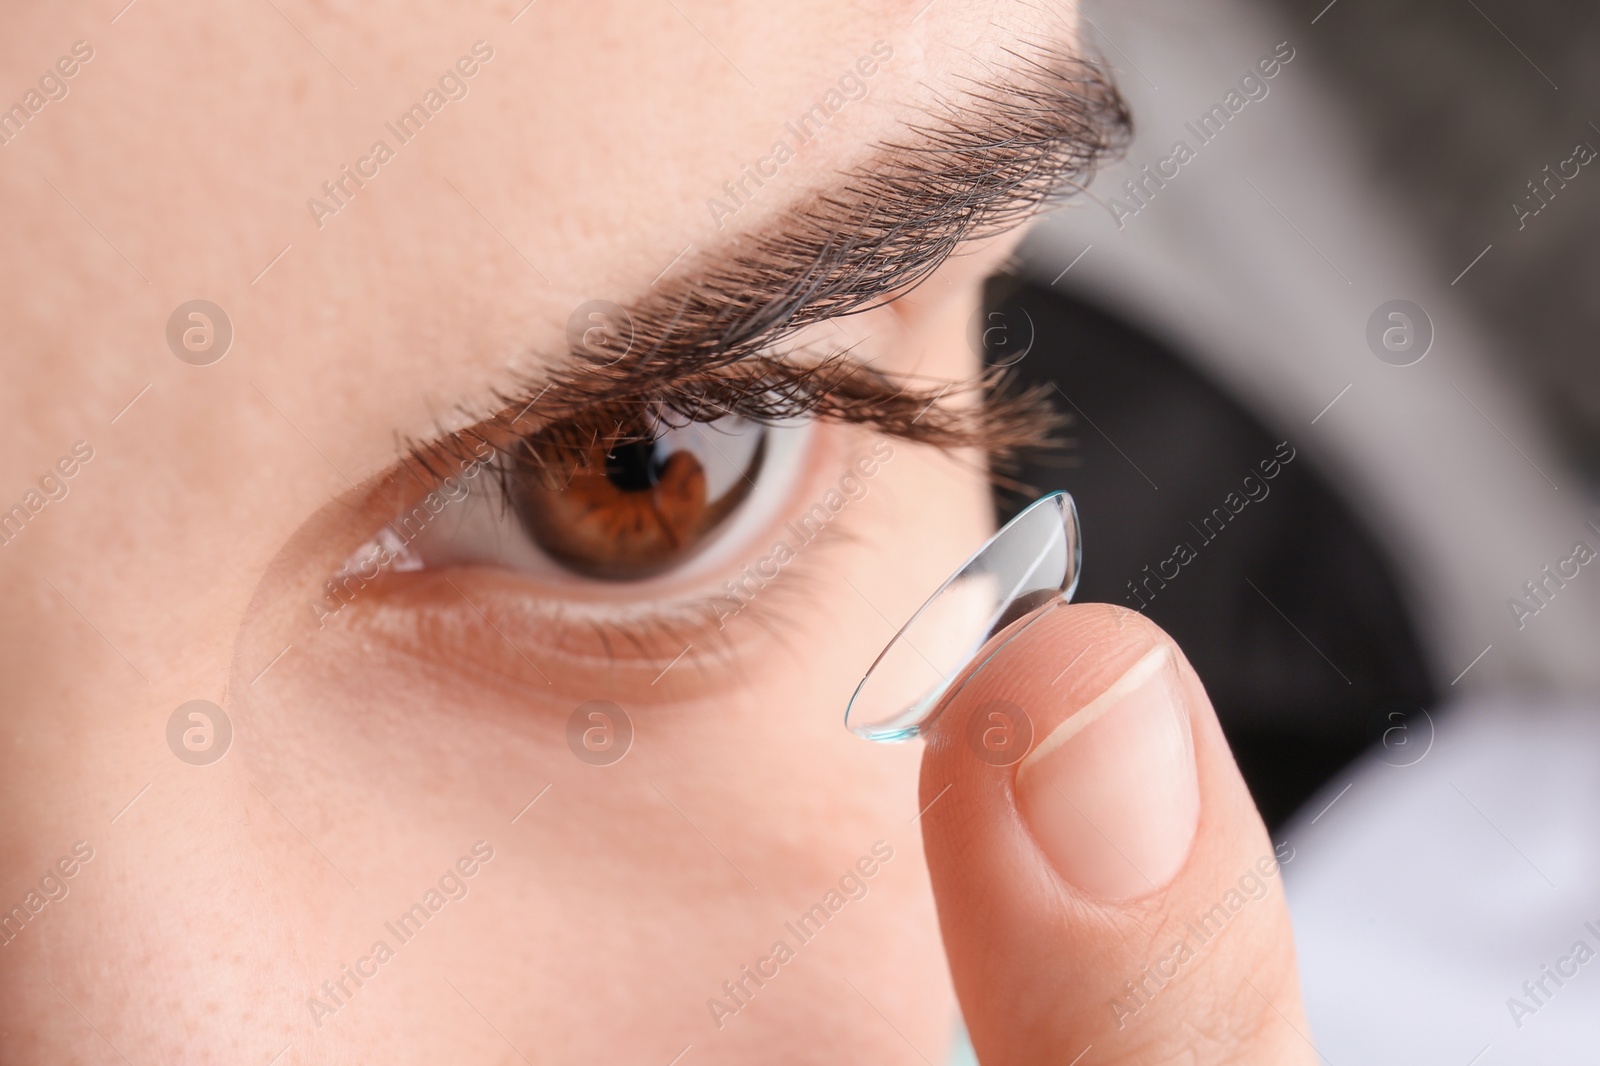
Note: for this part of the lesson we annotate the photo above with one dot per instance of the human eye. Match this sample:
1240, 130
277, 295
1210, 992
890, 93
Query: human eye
594, 547
636, 503
591, 553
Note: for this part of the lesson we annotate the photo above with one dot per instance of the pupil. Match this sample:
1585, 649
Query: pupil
633, 466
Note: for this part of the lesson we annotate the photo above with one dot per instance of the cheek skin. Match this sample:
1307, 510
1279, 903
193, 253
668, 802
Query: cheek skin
228, 894
393, 763
360, 770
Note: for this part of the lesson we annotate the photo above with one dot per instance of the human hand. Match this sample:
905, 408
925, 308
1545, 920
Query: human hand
1107, 892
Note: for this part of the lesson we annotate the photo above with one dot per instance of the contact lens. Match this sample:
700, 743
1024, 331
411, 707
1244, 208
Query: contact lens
1028, 567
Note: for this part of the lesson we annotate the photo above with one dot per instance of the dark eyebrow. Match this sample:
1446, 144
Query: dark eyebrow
700, 344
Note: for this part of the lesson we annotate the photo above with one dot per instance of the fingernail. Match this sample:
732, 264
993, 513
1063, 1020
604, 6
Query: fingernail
1111, 793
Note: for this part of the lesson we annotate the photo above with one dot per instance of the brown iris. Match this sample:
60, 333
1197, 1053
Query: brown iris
638, 505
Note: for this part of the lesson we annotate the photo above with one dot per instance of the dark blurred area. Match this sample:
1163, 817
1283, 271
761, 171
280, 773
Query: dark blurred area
1292, 615
1287, 608
1445, 152
1460, 104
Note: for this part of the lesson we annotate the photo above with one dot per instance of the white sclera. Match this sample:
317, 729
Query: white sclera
1030, 563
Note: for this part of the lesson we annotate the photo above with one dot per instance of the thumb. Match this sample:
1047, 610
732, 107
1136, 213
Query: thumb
1106, 889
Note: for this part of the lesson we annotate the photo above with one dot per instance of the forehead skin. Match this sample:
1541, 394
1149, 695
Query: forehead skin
578, 167
180, 163
177, 167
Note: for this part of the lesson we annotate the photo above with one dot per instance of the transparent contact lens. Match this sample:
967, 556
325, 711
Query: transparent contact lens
1028, 567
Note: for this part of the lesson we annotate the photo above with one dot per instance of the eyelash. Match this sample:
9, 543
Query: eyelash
764, 389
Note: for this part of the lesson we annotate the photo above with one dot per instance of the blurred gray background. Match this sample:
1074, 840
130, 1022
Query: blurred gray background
1454, 116
1437, 866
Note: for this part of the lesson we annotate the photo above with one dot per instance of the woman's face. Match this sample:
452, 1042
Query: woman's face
407, 834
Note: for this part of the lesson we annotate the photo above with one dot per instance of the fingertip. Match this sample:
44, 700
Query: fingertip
1054, 664
1083, 793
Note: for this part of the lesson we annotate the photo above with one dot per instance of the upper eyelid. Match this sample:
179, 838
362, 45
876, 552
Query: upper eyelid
764, 389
